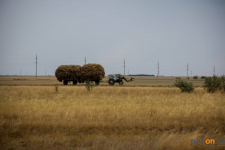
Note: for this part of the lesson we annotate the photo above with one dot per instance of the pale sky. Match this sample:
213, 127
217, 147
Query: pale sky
143, 32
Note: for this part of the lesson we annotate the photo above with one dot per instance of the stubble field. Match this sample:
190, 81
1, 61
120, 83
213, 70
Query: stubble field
144, 81
37, 117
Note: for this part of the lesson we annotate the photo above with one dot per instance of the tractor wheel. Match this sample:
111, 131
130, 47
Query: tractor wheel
65, 82
96, 82
121, 82
74, 82
111, 82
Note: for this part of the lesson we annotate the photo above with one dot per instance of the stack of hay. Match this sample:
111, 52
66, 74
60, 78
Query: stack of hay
92, 72
68, 71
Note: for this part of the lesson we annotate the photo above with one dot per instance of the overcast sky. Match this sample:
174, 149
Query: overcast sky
142, 32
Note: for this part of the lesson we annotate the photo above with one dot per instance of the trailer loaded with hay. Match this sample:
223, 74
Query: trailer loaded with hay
76, 73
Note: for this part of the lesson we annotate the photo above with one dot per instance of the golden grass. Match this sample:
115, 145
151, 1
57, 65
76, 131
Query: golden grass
108, 118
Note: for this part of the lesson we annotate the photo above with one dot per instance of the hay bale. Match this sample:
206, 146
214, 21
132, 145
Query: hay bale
92, 72
65, 72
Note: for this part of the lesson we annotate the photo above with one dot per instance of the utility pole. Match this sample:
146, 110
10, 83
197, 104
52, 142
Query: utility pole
20, 72
187, 70
45, 72
158, 69
128, 72
191, 73
214, 70
124, 67
36, 65
85, 60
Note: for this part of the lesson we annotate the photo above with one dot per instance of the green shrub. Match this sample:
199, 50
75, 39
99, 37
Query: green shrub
195, 77
212, 84
89, 86
203, 77
184, 86
222, 83
119, 76
178, 78
56, 88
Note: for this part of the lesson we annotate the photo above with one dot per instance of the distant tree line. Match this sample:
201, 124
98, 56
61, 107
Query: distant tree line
202, 77
140, 75
118, 75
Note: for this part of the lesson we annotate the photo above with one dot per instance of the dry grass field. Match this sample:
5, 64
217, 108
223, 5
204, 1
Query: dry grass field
139, 81
109, 117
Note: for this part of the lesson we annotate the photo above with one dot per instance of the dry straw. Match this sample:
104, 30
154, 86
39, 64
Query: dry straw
68, 71
92, 72
86, 72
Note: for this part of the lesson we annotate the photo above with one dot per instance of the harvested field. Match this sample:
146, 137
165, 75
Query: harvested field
37, 117
139, 81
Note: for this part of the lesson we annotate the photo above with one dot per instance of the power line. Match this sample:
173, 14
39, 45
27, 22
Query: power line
36, 65
187, 70
158, 69
85, 60
124, 67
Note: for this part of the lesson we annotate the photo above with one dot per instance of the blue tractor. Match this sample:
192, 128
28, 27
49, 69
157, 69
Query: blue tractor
113, 80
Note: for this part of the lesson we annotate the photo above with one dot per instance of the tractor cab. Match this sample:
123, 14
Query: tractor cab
112, 77
113, 80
